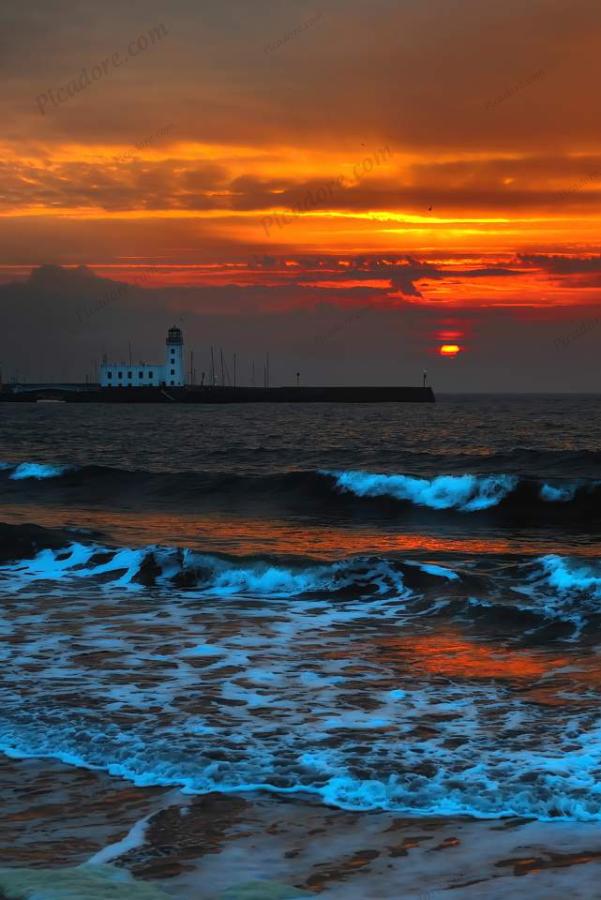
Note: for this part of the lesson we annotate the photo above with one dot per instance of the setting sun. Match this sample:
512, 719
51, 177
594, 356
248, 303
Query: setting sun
449, 349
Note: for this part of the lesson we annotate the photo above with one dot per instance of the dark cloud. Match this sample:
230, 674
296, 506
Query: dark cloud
71, 318
399, 274
563, 265
124, 181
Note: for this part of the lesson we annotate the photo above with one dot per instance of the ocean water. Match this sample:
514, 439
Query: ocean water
387, 607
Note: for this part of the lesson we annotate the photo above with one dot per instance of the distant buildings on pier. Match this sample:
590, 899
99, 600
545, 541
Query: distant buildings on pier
171, 373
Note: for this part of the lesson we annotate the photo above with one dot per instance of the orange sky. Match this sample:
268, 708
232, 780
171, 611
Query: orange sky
418, 153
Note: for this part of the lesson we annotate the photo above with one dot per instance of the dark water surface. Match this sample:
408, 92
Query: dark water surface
391, 607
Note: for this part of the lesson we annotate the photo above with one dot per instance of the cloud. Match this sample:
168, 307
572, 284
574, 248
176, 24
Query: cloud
359, 336
563, 265
466, 188
160, 177
418, 74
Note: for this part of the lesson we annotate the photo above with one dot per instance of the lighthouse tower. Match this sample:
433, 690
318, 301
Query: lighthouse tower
174, 370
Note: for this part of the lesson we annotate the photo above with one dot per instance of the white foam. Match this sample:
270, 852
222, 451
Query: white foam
285, 695
134, 838
203, 650
37, 471
467, 493
563, 493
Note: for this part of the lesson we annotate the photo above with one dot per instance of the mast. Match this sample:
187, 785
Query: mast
228, 380
212, 367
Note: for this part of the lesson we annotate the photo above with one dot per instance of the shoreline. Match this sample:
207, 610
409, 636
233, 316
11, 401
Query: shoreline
225, 846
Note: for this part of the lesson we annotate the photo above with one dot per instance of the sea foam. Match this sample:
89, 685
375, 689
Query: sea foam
35, 470
466, 493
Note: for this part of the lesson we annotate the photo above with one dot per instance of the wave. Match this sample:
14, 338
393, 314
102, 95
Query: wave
553, 493
34, 470
522, 595
467, 493
212, 575
464, 493
36, 556
570, 577
21, 542
504, 498
486, 758
474, 792
324, 694
525, 462
563, 587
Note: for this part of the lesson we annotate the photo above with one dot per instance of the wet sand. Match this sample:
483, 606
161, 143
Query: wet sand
261, 846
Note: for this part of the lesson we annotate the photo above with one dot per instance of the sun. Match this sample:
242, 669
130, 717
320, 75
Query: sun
449, 349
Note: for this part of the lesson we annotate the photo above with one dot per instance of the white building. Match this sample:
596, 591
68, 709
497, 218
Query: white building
169, 374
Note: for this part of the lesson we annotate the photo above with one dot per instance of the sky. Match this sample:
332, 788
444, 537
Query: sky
362, 189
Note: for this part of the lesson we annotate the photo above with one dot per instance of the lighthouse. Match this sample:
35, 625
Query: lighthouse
174, 366
169, 374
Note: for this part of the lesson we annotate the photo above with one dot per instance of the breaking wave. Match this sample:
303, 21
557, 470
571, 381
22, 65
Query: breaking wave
320, 687
504, 498
35, 470
213, 575
544, 588
559, 784
467, 493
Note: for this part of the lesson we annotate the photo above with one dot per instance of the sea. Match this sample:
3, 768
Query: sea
386, 608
